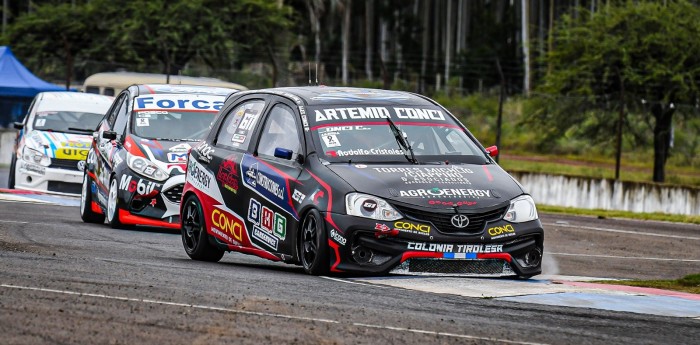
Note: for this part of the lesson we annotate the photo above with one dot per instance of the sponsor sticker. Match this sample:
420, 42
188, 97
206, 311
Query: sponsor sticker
446, 193
142, 122
497, 232
37, 169
74, 154
455, 248
331, 140
338, 237
413, 228
264, 238
298, 196
140, 187
177, 157
228, 223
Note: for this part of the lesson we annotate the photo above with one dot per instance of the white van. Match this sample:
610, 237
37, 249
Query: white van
111, 83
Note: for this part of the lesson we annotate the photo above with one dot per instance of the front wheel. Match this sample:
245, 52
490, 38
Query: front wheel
86, 212
313, 244
194, 233
113, 205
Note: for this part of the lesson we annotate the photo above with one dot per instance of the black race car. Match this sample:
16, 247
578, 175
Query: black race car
357, 181
134, 171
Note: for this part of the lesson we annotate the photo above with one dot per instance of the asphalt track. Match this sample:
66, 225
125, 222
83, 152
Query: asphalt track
64, 281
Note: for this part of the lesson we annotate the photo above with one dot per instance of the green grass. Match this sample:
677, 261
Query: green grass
689, 283
596, 168
678, 218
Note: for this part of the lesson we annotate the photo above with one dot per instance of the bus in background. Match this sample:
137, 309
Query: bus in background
111, 83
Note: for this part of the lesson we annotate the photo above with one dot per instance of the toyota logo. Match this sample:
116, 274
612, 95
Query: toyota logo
460, 221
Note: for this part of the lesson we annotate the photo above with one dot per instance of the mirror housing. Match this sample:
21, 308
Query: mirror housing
492, 151
283, 153
17, 125
110, 135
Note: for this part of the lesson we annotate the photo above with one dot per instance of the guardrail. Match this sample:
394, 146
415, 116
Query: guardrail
608, 194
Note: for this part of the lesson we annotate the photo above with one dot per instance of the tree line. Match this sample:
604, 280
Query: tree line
592, 67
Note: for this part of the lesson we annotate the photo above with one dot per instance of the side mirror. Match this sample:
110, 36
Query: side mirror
283, 153
492, 151
18, 125
110, 135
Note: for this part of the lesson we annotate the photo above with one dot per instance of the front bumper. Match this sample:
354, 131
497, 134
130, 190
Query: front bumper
369, 246
34, 177
149, 203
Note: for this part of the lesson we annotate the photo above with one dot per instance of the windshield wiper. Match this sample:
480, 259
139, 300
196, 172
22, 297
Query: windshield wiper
402, 141
86, 130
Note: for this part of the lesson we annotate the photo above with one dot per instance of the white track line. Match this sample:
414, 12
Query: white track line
581, 227
356, 283
622, 257
246, 312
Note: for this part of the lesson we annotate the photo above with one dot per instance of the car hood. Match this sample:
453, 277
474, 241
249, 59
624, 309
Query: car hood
59, 145
438, 186
170, 156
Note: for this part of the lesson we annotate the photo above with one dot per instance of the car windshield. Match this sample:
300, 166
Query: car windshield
67, 121
365, 134
175, 117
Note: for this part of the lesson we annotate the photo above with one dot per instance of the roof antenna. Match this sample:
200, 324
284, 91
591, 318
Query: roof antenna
309, 73
317, 74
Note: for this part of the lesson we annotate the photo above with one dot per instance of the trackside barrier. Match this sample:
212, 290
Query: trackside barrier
608, 194
7, 141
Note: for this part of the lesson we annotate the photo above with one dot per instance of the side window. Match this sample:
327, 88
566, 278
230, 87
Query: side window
122, 117
237, 129
116, 107
280, 131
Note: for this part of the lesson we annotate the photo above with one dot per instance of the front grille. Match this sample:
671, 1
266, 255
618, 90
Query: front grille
443, 220
487, 267
64, 187
68, 164
174, 194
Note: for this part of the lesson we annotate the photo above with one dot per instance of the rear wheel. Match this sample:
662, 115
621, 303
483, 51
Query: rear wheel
11, 178
113, 205
194, 233
86, 212
313, 244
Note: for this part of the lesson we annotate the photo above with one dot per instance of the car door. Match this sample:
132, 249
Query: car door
271, 172
110, 134
233, 139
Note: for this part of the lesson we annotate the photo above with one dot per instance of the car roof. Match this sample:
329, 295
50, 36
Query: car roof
333, 95
72, 101
144, 89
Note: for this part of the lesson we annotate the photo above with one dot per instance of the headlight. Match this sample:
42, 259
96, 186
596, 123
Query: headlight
145, 167
522, 209
36, 157
368, 206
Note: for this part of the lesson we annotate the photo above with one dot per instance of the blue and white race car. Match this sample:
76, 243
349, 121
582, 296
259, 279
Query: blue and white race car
53, 141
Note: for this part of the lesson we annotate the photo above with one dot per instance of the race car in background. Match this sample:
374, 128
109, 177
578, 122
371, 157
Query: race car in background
356, 181
53, 141
134, 171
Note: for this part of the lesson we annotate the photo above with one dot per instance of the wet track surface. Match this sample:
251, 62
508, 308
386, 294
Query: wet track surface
64, 281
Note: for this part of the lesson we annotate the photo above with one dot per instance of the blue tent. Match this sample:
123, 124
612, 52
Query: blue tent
18, 86
17, 81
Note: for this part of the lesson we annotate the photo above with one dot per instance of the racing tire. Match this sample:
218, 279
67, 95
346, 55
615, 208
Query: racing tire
313, 244
195, 238
11, 177
86, 212
113, 205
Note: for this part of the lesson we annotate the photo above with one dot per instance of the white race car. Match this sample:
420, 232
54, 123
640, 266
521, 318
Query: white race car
54, 139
